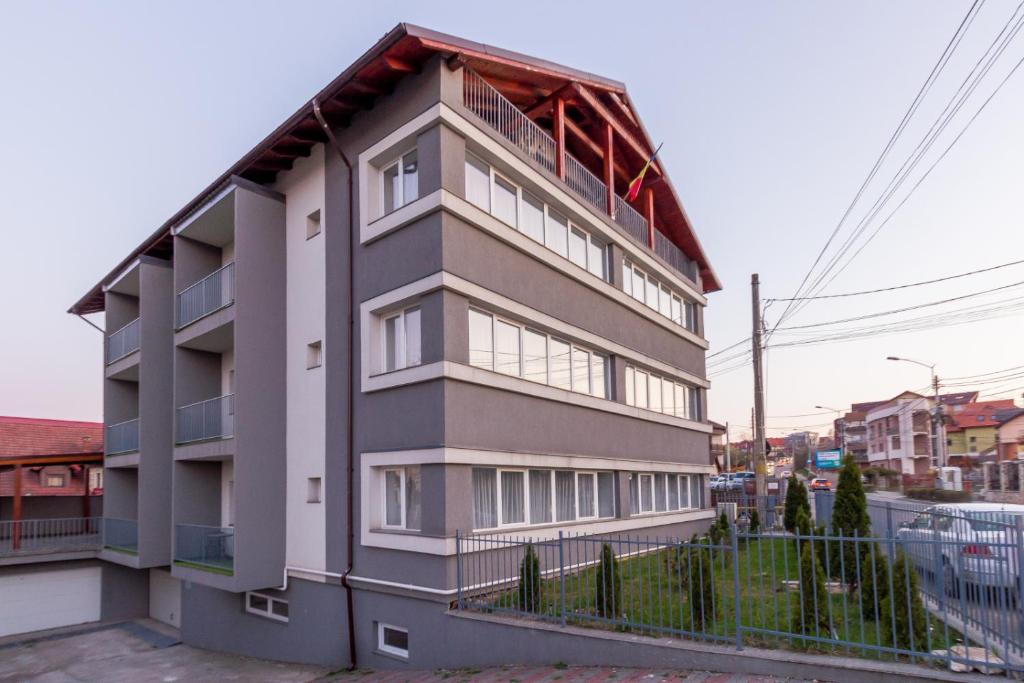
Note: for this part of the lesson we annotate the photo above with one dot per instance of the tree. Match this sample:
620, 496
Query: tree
904, 607
811, 614
796, 499
874, 581
529, 581
755, 522
607, 598
849, 518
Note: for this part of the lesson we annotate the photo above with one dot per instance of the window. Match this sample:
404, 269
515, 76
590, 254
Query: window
314, 355
654, 387
55, 481
661, 395
660, 501
580, 370
266, 606
401, 183
313, 486
515, 497
402, 506
641, 389
535, 356
506, 348
401, 340
630, 386
645, 289
665, 302
598, 381
481, 339
313, 224
560, 370
393, 640
518, 208
662, 492
95, 478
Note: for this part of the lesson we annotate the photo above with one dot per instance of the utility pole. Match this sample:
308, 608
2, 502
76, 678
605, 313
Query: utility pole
940, 424
728, 455
760, 467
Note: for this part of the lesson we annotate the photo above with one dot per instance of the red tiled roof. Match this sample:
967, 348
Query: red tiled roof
23, 436
982, 414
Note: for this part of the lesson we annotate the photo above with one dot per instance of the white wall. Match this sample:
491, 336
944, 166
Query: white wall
304, 187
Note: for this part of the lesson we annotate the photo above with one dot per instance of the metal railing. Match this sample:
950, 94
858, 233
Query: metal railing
122, 437
895, 598
41, 536
673, 255
500, 114
124, 341
630, 220
206, 547
121, 535
584, 183
212, 293
210, 419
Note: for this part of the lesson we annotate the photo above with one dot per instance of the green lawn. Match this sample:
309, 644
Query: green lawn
654, 601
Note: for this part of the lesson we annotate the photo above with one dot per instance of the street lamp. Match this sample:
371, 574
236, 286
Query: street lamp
842, 427
940, 435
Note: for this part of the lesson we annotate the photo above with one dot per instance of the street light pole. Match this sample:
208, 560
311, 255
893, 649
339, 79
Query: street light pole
937, 418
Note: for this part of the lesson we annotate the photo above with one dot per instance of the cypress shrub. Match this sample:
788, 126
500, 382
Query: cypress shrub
796, 500
849, 518
811, 614
755, 522
905, 603
607, 598
702, 588
874, 582
529, 581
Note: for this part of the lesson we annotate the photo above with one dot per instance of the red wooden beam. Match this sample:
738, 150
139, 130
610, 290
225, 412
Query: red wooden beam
400, 65
641, 150
31, 460
558, 128
609, 166
597, 150
649, 215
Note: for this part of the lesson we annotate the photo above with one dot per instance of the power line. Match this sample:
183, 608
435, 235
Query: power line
896, 287
921, 93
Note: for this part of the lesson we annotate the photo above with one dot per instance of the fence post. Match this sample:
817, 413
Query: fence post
888, 519
736, 584
561, 577
1020, 569
458, 569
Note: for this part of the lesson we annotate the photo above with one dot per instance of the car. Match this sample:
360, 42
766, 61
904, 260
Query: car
972, 544
722, 482
738, 481
821, 485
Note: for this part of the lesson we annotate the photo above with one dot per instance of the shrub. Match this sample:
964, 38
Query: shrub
607, 598
702, 588
796, 500
849, 518
904, 607
755, 522
938, 495
811, 614
874, 584
529, 581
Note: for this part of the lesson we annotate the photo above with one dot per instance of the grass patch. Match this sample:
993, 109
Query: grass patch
122, 549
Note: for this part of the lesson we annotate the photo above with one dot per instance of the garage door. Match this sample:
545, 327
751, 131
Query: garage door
38, 600
164, 597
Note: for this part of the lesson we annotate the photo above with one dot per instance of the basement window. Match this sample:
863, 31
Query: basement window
392, 640
313, 487
264, 605
314, 355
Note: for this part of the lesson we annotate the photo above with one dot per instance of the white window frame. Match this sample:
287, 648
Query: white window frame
269, 612
397, 161
401, 340
640, 492
502, 524
388, 649
384, 497
553, 510
597, 503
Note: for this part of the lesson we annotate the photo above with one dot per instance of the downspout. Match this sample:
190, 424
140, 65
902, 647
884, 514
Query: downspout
350, 531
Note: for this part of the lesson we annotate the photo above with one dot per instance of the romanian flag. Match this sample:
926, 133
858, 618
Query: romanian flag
634, 186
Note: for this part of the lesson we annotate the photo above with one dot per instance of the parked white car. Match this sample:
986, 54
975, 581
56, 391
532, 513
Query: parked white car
973, 543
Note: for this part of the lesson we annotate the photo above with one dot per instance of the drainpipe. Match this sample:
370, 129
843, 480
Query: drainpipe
350, 532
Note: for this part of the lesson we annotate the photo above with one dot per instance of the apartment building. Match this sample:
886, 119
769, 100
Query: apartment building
421, 308
971, 430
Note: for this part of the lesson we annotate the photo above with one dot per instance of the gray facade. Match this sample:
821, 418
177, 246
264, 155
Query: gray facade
221, 508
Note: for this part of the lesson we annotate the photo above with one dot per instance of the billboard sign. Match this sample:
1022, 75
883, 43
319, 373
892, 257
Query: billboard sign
828, 460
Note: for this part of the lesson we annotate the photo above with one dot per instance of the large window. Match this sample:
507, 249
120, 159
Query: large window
645, 289
663, 492
400, 182
514, 349
402, 507
662, 395
401, 339
517, 497
515, 206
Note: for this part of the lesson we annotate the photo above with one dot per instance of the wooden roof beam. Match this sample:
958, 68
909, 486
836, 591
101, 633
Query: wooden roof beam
623, 135
80, 459
400, 65
581, 135
545, 103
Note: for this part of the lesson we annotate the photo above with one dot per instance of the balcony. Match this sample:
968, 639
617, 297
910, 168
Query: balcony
121, 535
209, 548
511, 123
212, 293
123, 342
210, 419
122, 437
49, 536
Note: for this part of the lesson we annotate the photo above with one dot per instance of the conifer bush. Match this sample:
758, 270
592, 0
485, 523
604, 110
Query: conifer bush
529, 581
904, 607
607, 598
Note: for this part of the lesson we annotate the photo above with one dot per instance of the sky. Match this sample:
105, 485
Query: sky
116, 114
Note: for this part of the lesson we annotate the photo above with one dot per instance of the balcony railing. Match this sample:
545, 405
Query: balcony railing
40, 536
210, 419
506, 118
122, 437
212, 293
123, 342
206, 547
121, 535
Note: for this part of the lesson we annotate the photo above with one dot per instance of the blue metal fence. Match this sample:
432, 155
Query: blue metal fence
930, 600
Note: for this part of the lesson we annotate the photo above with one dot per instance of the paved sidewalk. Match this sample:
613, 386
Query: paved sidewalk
551, 674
